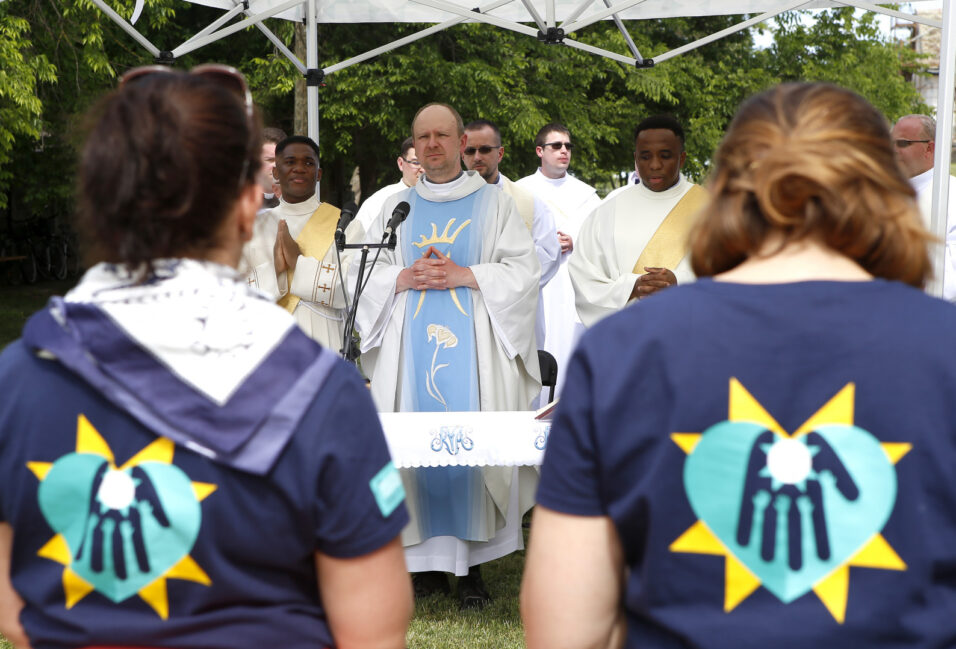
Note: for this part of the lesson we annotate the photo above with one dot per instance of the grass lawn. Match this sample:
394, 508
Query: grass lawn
438, 624
17, 303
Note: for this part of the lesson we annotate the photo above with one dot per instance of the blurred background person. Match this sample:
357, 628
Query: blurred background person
270, 186
763, 457
915, 139
172, 468
411, 169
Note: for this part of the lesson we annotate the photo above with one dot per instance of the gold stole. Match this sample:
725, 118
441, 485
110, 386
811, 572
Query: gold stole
314, 240
524, 201
669, 244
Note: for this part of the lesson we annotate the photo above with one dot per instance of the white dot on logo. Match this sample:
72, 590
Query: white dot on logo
117, 490
789, 461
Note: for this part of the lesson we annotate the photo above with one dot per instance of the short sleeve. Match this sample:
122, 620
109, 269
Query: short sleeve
360, 501
570, 481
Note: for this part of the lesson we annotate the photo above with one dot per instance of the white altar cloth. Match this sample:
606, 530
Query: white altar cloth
418, 439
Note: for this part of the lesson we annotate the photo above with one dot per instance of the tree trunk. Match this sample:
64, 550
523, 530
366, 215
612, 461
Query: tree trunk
300, 122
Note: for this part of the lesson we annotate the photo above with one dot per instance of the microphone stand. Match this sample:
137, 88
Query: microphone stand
350, 348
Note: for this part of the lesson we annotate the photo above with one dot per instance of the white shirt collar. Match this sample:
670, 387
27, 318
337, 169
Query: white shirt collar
922, 181
445, 188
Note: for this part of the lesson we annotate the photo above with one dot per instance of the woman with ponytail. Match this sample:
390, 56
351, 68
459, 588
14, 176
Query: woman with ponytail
764, 458
180, 465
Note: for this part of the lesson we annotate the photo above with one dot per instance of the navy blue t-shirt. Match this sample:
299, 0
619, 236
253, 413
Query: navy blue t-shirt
122, 538
778, 461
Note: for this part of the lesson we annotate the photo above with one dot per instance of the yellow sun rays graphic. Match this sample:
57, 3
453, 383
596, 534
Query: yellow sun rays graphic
739, 582
436, 239
89, 440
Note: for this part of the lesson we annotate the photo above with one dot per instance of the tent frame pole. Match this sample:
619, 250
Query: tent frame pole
126, 27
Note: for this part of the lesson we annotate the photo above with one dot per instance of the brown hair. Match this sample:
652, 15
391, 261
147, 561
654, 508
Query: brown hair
273, 135
811, 161
551, 127
161, 168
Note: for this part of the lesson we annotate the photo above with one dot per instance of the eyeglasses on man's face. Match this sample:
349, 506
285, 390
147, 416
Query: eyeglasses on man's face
412, 161
902, 144
556, 146
483, 150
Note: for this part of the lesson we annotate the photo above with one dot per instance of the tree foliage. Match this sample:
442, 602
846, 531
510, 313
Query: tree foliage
51, 73
21, 110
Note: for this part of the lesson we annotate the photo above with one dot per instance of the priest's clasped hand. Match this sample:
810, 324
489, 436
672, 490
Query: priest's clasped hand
435, 271
655, 280
285, 252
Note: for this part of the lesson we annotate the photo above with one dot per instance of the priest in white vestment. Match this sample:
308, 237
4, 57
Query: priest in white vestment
411, 169
635, 243
483, 153
915, 140
297, 239
570, 200
438, 335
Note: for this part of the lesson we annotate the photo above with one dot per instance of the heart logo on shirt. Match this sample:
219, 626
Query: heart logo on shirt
791, 509
123, 528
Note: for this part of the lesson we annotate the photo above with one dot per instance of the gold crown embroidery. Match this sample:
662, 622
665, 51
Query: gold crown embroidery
444, 238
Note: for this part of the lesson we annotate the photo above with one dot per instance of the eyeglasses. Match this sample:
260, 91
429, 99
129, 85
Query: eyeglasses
224, 76
556, 146
902, 144
414, 163
483, 150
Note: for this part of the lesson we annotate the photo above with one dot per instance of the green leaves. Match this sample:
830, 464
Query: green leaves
56, 58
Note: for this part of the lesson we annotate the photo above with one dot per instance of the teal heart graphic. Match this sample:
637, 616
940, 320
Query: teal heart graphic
148, 496
716, 480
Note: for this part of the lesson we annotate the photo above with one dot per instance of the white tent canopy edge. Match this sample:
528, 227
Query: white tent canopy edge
560, 17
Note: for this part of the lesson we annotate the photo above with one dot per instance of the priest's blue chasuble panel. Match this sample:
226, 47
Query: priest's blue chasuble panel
440, 368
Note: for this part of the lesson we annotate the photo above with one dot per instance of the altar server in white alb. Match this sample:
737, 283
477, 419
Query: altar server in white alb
571, 200
635, 243
291, 257
447, 324
483, 153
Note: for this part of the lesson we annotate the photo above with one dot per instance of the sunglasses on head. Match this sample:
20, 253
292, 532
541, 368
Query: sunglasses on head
556, 146
483, 150
224, 76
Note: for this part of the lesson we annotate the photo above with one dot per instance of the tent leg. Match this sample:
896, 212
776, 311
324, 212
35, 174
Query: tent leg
944, 146
312, 63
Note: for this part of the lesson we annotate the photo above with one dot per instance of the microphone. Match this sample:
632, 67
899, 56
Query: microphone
398, 215
345, 218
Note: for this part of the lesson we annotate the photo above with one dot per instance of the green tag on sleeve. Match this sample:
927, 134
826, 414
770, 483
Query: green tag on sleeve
387, 489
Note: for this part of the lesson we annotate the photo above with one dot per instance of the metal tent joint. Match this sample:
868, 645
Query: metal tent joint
314, 77
554, 36
165, 57
644, 64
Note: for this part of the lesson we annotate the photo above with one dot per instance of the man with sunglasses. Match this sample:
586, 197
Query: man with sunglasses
634, 244
571, 200
914, 137
483, 153
411, 169
292, 257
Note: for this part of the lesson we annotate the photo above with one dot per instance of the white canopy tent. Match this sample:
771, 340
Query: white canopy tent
553, 22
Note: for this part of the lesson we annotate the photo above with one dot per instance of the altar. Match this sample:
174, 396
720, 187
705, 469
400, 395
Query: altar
423, 439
